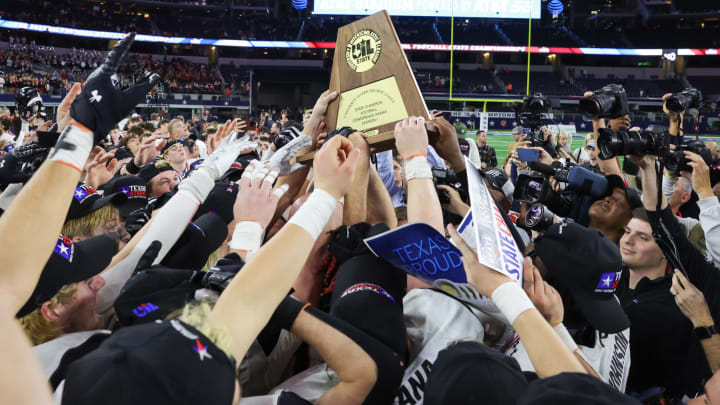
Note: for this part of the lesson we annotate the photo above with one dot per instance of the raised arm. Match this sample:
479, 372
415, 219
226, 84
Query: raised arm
423, 204
246, 305
610, 166
692, 304
547, 352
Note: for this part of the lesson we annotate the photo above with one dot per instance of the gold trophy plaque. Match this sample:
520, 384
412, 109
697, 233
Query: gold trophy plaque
374, 80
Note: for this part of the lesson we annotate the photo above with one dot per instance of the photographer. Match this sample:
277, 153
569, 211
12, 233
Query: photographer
655, 314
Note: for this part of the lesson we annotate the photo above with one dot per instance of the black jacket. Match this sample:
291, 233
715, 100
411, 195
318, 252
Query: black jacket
663, 348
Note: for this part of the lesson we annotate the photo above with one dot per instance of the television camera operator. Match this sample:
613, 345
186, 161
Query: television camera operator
555, 189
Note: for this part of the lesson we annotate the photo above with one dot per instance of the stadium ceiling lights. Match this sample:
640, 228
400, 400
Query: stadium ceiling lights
23, 26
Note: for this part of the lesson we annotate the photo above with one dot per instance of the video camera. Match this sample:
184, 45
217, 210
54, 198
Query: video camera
446, 177
653, 141
686, 99
608, 102
29, 104
581, 186
539, 217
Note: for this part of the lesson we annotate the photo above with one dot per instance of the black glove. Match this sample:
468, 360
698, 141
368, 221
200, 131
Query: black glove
20, 164
136, 220
217, 280
102, 104
148, 257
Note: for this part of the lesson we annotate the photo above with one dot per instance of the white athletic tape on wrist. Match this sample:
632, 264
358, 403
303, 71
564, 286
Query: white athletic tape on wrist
76, 157
248, 235
562, 331
315, 213
511, 300
418, 168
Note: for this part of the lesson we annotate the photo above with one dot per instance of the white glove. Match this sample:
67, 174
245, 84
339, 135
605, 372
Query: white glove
281, 159
202, 180
225, 154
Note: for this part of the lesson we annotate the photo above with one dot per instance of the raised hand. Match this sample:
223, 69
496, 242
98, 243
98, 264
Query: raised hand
256, 201
63, 111
690, 300
411, 137
484, 279
280, 160
228, 148
148, 150
545, 298
700, 175
101, 104
99, 171
315, 123
334, 166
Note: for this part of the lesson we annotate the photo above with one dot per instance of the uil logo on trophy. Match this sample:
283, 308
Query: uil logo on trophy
363, 51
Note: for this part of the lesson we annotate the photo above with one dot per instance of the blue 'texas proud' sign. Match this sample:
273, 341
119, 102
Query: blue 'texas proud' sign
421, 251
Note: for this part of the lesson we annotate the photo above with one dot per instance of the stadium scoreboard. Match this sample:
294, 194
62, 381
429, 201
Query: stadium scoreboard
433, 8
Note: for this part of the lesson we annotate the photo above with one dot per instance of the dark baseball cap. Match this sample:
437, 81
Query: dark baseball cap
632, 195
220, 201
164, 362
169, 144
473, 373
134, 189
70, 263
199, 240
153, 294
87, 200
149, 171
588, 264
573, 389
499, 181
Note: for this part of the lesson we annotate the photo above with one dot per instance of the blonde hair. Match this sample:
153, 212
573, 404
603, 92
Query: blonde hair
197, 314
38, 328
84, 226
172, 124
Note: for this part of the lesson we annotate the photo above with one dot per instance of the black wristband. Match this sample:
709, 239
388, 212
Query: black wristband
131, 167
286, 313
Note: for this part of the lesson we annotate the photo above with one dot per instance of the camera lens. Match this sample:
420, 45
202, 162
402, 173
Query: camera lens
610, 144
677, 103
534, 215
591, 107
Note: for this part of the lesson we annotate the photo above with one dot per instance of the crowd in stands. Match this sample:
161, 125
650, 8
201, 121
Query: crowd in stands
50, 72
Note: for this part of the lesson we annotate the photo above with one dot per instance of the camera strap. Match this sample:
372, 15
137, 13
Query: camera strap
662, 236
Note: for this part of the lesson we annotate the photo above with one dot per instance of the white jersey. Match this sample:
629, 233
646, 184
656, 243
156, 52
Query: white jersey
433, 321
610, 357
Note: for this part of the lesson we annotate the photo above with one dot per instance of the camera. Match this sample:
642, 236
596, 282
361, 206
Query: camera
539, 217
676, 161
652, 141
578, 181
29, 103
686, 99
608, 102
446, 177
529, 114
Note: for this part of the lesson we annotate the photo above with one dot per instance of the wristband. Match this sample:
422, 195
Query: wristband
248, 235
131, 167
417, 168
562, 331
73, 147
511, 300
315, 213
